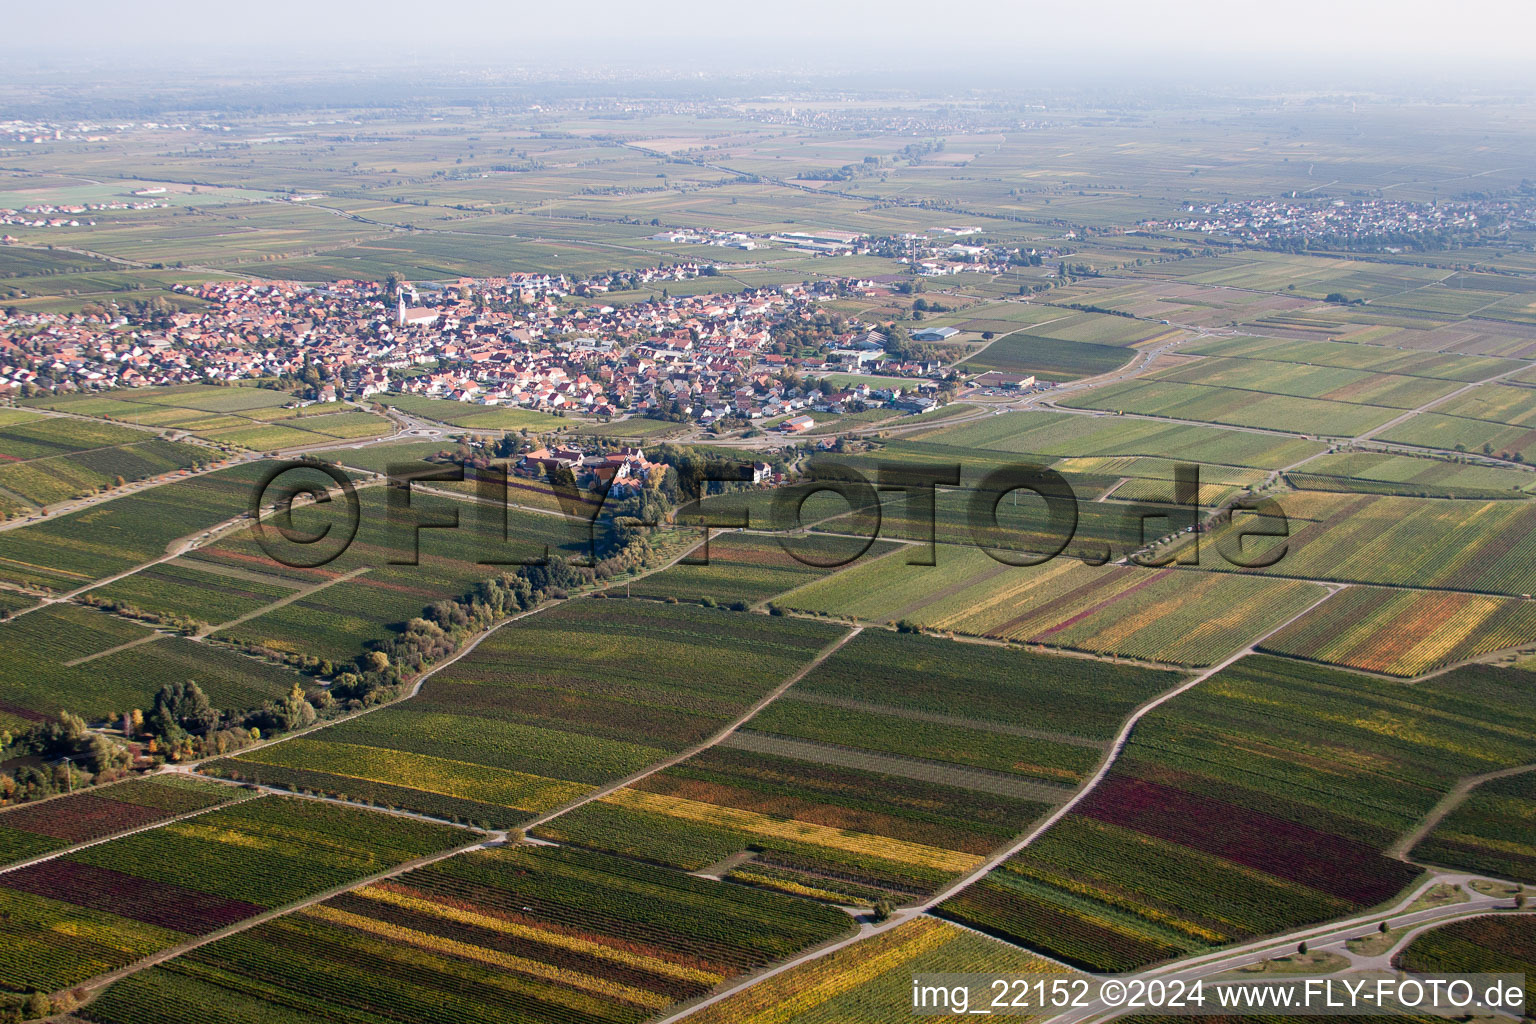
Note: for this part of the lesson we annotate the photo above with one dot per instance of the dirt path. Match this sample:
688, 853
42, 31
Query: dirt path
698, 748
1448, 803
297, 595
908, 913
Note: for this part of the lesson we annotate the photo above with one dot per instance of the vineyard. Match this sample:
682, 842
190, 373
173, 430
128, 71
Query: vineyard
1217, 824
1171, 615
33, 829
1235, 407
72, 550
871, 982
518, 935
1482, 945
1494, 831
748, 567
76, 916
1062, 435
65, 649
246, 417
1486, 547
1405, 632
894, 765
44, 459
337, 621
1379, 473
549, 706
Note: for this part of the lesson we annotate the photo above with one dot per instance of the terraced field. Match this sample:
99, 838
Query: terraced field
519, 934
547, 708
896, 764
1256, 803
71, 918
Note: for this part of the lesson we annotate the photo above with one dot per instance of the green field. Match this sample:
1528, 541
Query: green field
1259, 802
548, 707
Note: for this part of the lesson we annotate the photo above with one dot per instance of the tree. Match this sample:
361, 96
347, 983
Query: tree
181, 709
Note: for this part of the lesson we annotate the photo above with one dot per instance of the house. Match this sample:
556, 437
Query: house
797, 424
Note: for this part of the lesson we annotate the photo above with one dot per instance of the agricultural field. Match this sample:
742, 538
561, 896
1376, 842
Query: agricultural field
517, 934
1490, 833
1478, 546
1065, 435
1406, 632
370, 590
1407, 476
1483, 945
37, 828
68, 658
894, 765
45, 459
101, 908
871, 982
1175, 615
67, 552
243, 417
1235, 407
547, 708
747, 567
1258, 802
1300, 380
1362, 357
1437, 429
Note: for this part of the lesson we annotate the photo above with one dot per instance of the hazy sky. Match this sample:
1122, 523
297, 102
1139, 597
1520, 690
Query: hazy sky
850, 33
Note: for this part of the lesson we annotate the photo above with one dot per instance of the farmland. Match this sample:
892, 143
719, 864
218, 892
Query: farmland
1175, 615
1061, 435
1493, 945
1491, 832
516, 935
34, 829
1405, 632
86, 913
884, 772
69, 551
1235, 407
871, 982
244, 417
1477, 546
1256, 803
66, 657
546, 708
44, 459
745, 567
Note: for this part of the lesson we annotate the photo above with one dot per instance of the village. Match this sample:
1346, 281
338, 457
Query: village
529, 341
